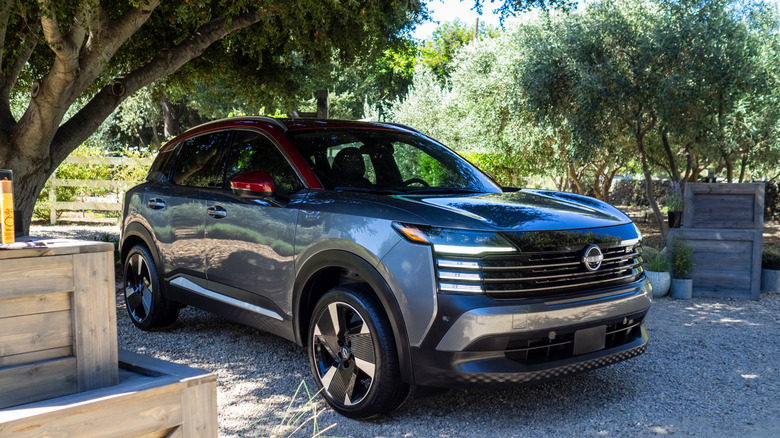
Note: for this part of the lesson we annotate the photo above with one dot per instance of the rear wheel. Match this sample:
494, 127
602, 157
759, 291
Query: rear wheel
146, 305
352, 354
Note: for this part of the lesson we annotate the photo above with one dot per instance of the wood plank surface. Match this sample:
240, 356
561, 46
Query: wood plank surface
27, 333
40, 381
199, 410
35, 276
31, 304
94, 314
35, 356
29, 247
129, 415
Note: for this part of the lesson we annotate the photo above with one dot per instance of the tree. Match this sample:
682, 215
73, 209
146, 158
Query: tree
82, 60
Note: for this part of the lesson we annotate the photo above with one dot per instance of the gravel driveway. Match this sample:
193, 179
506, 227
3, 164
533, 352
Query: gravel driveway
711, 370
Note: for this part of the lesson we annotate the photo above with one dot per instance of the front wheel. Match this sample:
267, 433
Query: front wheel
352, 354
148, 308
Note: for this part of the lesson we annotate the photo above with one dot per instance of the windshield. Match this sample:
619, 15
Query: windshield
388, 161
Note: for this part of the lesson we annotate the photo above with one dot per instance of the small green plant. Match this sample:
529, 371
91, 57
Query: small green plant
681, 256
674, 199
295, 418
655, 260
770, 258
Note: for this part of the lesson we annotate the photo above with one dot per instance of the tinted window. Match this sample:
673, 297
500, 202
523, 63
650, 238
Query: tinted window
254, 151
200, 159
381, 159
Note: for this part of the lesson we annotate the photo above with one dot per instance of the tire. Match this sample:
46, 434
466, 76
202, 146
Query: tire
352, 354
146, 305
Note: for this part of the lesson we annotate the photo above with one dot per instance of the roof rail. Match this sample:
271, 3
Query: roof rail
266, 119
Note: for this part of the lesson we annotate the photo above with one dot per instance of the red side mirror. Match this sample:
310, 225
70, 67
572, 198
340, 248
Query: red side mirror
253, 184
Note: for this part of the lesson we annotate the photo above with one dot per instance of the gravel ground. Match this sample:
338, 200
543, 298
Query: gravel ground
711, 370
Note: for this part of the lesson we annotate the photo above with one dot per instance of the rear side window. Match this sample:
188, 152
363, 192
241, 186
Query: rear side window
254, 151
200, 161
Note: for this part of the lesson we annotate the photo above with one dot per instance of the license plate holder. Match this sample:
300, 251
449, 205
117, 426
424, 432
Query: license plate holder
590, 339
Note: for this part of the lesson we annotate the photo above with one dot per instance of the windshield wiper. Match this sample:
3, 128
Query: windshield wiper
379, 190
442, 190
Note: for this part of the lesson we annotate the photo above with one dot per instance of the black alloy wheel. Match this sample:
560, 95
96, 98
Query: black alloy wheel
353, 356
147, 307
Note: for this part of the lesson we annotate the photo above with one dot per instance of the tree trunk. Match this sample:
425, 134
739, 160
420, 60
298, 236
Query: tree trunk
170, 123
575, 180
639, 136
673, 172
28, 180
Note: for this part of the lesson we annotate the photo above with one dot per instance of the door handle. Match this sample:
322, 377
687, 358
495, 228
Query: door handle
216, 212
155, 204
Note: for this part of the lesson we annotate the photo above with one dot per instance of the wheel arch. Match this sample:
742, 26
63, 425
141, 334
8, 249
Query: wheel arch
330, 268
133, 234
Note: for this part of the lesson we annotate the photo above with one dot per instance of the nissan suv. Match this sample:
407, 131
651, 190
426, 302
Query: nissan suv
396, 263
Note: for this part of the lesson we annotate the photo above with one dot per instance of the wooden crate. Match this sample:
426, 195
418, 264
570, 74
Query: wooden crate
57, 320
152, 399
724, 224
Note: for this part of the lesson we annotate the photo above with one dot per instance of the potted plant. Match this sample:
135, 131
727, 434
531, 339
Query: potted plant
681, 257
656, 266
770, 269
674, 205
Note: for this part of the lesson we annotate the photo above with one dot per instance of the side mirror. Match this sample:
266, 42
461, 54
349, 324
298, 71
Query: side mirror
255, 184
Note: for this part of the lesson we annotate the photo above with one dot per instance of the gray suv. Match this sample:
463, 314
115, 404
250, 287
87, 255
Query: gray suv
395, 262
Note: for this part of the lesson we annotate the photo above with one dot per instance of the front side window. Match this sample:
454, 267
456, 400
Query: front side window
254, 151
200, 161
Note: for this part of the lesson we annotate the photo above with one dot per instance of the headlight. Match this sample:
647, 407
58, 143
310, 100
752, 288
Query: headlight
455, 242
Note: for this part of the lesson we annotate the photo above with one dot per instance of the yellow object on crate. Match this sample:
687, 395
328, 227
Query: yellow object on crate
6, 207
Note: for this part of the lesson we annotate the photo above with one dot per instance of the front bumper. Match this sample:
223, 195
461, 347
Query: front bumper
477, 341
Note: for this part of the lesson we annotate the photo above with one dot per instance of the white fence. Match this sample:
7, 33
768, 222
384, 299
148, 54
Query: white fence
104, 204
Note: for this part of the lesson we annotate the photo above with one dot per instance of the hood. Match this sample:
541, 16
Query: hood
524, 210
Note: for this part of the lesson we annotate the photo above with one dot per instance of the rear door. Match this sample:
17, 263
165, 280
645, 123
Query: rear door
250, 241
177, 210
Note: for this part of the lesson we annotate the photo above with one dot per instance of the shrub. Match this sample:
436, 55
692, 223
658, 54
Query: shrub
655, 260
770, 258
681, 258
674, 199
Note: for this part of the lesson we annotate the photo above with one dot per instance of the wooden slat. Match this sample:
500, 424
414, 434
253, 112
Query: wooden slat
28, 333
102, 206
94, 314
174, 432
34, 276
109, 161
129, 415
51, 247
34, 304
199, 410
36, 356
43, 380
99, 183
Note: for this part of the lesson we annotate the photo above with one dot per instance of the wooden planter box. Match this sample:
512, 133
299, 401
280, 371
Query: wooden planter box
724, 224
57, 320
152, 399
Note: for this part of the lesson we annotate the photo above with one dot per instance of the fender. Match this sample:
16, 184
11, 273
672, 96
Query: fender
347, 260
133, 232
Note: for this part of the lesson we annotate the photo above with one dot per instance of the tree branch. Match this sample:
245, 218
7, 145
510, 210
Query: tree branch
51, 32
25, 51
4, 15
106, 35
86, 121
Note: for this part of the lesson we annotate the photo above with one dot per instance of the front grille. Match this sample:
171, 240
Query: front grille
538, 274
